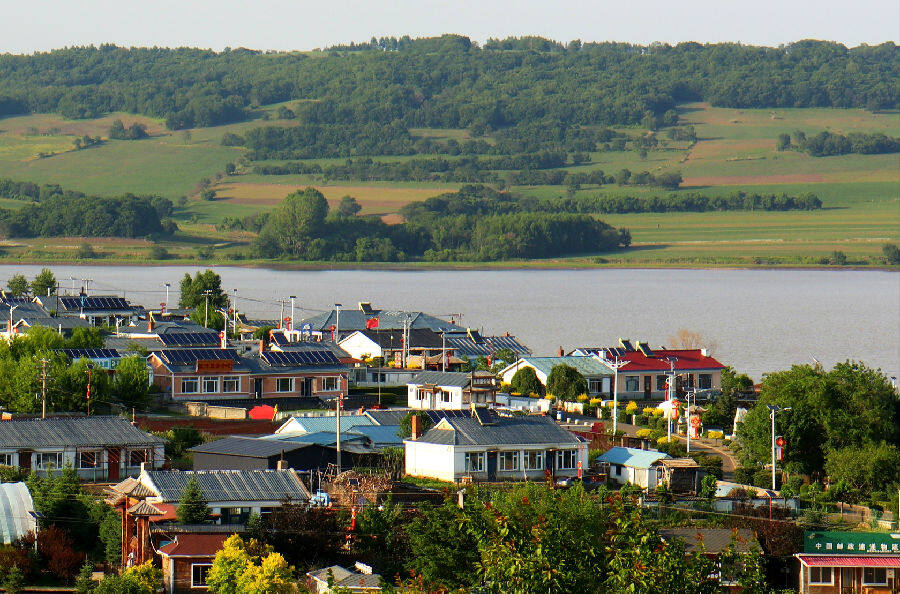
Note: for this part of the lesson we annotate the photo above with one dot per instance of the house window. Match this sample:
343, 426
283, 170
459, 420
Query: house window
705, 381
210, 385
820, 575
330, 384
49, 461
6, 459
874, 576
661, 382
420, 394
509, 460
475, 461
231, 384
446, 397
595, 386
198, 574
533, 460
88, 459
137, 457
632, 383
566, 459
190, 385
235, 515
284, 384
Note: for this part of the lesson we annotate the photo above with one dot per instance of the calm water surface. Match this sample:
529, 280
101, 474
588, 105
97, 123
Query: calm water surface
760, 320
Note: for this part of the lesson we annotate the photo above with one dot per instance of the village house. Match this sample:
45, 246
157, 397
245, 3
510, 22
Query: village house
210, 374
646, 372
631, 465
389, 344
148, 504
346, 321
98, 310
98, 448
838, 562
187, 559
596, 372
484, 446
453, 390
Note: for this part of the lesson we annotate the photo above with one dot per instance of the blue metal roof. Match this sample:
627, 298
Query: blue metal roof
380, 434
303, 425
324, 438
632, 457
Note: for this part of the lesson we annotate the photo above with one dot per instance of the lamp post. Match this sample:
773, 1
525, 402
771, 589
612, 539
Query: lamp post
234, 310
773, 408
90, 371
687, 423
616, 365
167, 294
11, 309
670, 397
337, 323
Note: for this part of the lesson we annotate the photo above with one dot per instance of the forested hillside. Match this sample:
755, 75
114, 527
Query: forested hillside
537, 85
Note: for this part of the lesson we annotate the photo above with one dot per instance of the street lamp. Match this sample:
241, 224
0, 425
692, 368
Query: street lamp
337, 322
292, 312
670, 397
167, 294
234, 309
687, 423
773, 408
90, 371
11, 309
615, 411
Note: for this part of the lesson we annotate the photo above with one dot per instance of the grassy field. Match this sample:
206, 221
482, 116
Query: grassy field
735, 151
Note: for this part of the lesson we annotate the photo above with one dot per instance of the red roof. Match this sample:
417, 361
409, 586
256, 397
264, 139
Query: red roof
686, 360
850, 560
195, 545
169, 511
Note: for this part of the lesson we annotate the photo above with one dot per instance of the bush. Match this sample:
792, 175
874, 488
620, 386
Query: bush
644, 433
12, 474
891, 253
86, 252
631, 407
744, 474
582, 398
763, 478
158, 252
792, 487
595, 401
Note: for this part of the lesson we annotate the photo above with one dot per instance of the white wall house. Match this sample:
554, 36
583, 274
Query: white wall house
487, 447
631, 465
598, 374
451, 390
358, 345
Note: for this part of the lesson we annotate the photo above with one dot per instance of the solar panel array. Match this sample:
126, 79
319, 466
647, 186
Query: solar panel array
484, 416
191, 356
279, 338
645, 348
298, 358
91, 353
190, 339
10, 300
94, 303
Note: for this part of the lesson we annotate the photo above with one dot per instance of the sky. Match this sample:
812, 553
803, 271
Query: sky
40, 25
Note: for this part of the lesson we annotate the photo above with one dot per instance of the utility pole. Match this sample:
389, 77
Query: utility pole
281, 319
670, 397
234, 310
167, 295
443, 350
44, 388
90, 371
337, 425
292, 312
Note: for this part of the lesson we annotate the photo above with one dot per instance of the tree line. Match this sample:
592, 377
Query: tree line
448, 81
53, 211
301, 227
826, 144
483, 200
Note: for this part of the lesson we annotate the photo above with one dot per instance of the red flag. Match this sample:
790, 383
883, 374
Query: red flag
371, 323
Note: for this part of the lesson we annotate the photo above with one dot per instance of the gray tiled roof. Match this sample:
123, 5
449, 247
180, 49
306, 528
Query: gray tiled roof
73, 432
519, 430
231, 485
250, 447
445, 378
486, 345
715, 540
354, 319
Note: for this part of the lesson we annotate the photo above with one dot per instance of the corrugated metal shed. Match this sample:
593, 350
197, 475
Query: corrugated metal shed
230, 485
251, 447
632, 457
380, 435
72, 432
302, 425
459, 379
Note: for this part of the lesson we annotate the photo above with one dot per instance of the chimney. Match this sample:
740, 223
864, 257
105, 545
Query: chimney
704, 352
560, 352
282, 463
150, 323
416, 426
262, 346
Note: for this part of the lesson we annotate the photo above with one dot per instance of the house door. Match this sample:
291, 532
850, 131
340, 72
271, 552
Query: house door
492, 466
258, 387
112, 465
648, 385
846, 579
25, 460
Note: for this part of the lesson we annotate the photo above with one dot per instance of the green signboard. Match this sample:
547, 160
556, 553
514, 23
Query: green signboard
851, 543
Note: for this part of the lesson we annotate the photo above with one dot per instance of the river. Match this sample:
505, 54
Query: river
758, 320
